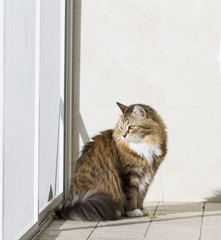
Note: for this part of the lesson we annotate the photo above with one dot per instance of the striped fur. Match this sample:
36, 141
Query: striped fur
89, 206
115, 169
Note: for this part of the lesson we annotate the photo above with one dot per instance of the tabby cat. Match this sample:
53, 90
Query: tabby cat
116, 168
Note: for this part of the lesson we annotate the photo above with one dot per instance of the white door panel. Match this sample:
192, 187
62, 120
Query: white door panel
19, 117
51, 101
32, 112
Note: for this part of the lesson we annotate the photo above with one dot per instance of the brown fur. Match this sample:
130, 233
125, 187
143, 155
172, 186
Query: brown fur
109, 165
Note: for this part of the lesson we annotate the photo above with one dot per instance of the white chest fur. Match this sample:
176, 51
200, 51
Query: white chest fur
146, 151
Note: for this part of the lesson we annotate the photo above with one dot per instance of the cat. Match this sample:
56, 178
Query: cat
116, 168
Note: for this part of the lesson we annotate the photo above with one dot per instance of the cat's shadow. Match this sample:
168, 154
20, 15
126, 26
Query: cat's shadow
216, 197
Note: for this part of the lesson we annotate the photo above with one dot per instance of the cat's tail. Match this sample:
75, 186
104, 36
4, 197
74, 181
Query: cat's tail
91, 206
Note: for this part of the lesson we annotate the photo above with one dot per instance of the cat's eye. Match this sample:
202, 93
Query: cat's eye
131, 127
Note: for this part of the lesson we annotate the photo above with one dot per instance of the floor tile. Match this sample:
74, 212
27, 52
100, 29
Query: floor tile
179, 207
212, 206
62, 230
173, 225
126, 228
212, 222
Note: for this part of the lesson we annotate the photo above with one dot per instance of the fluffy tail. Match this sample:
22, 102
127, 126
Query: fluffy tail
92, 206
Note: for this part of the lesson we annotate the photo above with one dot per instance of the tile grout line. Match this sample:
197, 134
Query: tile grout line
201, 226
92, 231
151, 220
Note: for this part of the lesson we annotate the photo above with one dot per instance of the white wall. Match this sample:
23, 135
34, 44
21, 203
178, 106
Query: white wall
164, 53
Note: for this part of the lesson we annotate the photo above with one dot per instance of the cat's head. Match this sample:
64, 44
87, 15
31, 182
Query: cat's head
138, 123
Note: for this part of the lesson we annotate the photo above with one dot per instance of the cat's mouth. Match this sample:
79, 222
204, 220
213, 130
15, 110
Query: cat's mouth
130, 139
125, 137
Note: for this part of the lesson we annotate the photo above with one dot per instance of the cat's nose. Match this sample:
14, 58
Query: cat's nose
124, 135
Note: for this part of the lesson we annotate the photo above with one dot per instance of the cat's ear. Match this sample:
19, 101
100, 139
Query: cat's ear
139, 112
121, 106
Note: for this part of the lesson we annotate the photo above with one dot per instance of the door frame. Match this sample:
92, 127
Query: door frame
1, 112
46, 216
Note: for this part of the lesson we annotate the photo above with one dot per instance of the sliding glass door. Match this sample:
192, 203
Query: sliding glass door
32, 116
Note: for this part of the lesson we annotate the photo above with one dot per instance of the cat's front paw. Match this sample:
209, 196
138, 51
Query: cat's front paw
145, 212
138, 212
118, 214
135, 213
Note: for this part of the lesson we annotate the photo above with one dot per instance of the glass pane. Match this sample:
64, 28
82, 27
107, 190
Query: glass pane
51, 100
19, 118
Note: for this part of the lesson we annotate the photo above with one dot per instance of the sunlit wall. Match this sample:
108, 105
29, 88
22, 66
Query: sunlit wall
163, 53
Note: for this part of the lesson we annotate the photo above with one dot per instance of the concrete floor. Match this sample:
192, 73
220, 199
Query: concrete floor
169, 221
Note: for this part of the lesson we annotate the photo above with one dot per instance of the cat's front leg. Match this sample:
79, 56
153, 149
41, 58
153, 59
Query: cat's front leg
131, 209
133, 206
140, 201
